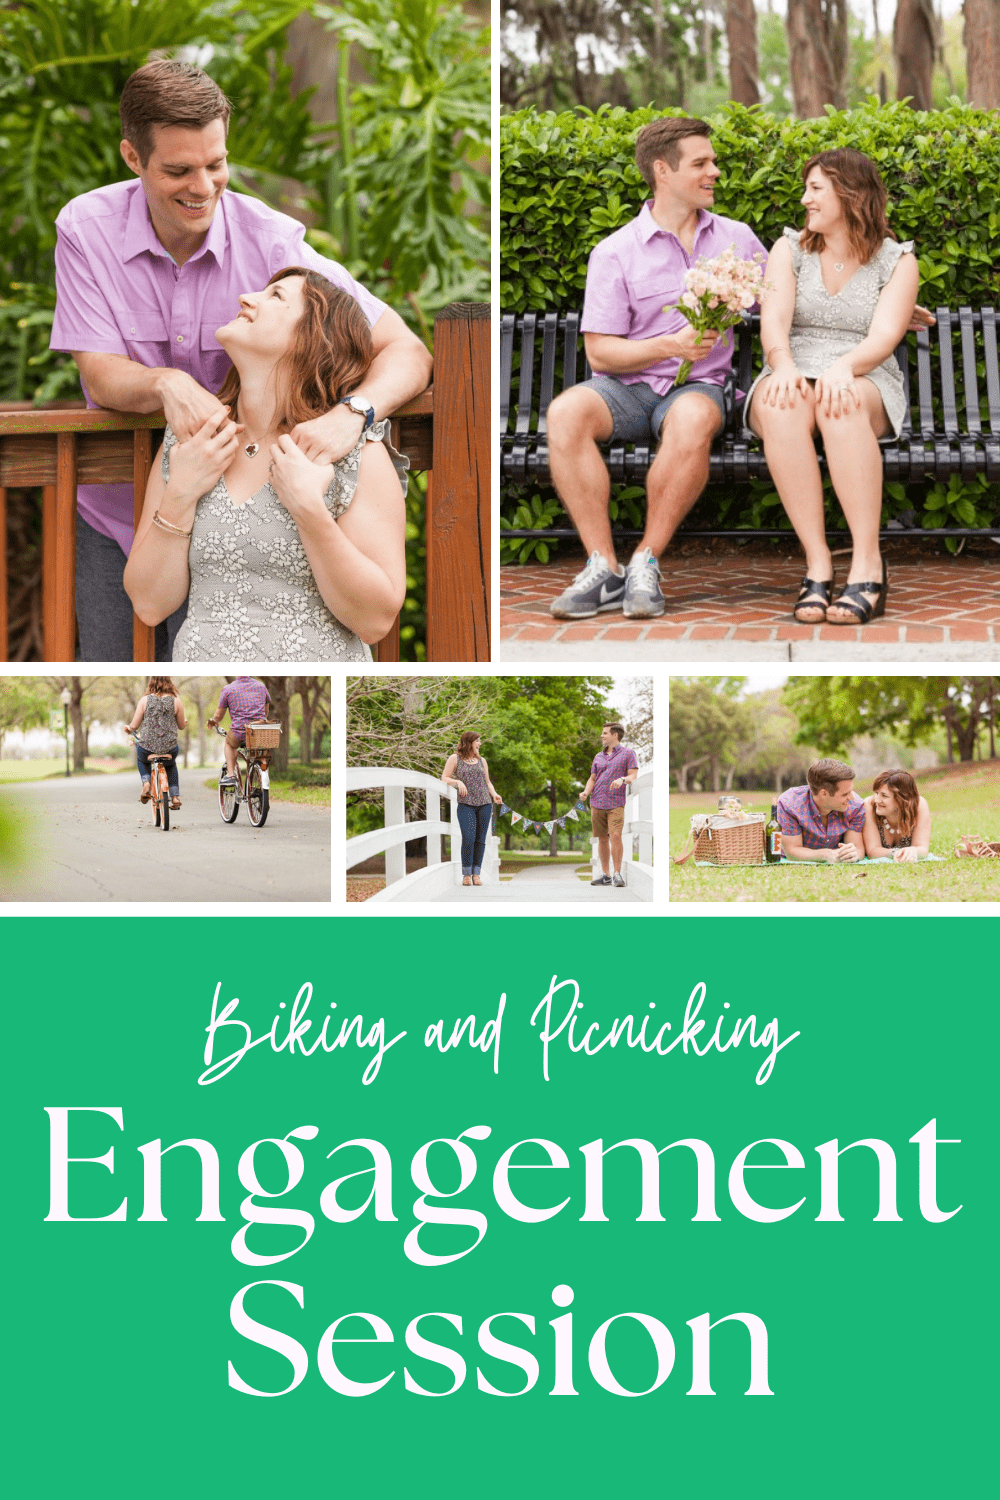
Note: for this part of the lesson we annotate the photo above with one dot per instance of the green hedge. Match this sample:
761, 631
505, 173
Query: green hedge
569, 180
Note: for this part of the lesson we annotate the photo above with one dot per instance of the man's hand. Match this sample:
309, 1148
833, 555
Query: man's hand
329, 437
846, 853
299, 482
187, 406
584, 796
691, 345
617, 783
921, 318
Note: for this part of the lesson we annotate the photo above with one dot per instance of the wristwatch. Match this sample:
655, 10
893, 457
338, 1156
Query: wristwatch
360, 405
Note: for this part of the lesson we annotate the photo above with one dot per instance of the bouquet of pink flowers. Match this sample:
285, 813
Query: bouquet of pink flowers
718, 292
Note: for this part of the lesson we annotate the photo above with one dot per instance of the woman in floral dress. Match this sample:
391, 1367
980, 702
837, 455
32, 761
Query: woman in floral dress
279, 558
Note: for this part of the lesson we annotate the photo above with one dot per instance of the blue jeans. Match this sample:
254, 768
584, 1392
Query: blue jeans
475, 823
146, 770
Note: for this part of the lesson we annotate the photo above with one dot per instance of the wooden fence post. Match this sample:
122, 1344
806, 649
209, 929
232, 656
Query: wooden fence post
458, 502
143, 636
65, 547
4, 640
49, 576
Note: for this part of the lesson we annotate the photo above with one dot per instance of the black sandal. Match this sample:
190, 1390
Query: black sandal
853, 599
823, 592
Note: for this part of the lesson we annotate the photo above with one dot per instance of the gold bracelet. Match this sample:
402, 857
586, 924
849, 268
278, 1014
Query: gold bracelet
168, 527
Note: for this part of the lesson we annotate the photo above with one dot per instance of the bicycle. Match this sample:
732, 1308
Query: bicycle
159, 786
252, 781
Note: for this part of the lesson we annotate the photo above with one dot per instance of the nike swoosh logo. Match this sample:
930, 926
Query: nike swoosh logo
609, 593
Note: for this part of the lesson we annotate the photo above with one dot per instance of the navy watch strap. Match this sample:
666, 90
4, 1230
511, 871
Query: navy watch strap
369, 412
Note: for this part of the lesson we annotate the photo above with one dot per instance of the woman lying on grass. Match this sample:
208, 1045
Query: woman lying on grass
279, 558
897, 819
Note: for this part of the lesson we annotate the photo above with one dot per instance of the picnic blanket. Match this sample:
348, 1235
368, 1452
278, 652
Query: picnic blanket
819, 864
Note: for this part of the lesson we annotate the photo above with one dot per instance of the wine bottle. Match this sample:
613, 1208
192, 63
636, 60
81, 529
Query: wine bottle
772, 838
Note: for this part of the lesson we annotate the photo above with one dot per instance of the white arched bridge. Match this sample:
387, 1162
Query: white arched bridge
440, 879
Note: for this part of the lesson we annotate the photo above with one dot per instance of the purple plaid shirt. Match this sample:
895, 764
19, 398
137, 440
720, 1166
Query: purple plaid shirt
246, 698
639, 270
798, 813
118, 291
608, 765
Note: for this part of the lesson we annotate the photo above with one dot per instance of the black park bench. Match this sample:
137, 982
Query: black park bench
945, 432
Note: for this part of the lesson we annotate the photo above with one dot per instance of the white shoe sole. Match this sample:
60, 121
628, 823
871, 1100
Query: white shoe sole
644, 614
585, 614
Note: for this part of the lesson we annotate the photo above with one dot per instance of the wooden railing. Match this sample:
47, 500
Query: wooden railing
444, 432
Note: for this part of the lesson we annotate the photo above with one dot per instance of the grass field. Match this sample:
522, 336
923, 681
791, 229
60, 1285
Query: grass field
963, 799
308, 785
42, 770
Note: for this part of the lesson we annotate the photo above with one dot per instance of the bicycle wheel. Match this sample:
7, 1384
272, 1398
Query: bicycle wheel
165, 808
258, 797
228, 803
156, 812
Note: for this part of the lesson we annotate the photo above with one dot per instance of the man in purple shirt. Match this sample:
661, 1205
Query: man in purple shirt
824, 820
638, 347
145, 273
614, 767
247, 701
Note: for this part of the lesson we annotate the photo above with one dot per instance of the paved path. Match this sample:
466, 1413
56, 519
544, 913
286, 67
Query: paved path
91, 840
738, 607
540, 886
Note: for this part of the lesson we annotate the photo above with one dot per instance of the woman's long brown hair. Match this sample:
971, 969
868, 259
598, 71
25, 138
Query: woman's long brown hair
330, 354
904, 789
466, 743
162, 685
862, 196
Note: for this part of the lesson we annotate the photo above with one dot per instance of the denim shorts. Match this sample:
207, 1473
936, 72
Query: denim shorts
638, 411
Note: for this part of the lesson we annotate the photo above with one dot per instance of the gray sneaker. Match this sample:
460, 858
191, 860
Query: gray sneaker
643, 599
602, 880
619, 878
597, 588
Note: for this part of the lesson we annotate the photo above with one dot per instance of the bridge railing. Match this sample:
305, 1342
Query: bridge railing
445, 432
637, 837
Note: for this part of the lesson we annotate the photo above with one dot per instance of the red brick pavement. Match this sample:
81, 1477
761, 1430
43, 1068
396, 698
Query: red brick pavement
933, 598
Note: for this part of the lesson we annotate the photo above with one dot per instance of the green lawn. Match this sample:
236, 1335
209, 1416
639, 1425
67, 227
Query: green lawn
963, 799
42, 770
308, 785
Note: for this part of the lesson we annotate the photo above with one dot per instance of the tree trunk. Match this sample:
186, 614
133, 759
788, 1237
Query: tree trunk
682, 773
744, 64
914, 45
817, 54
278, 689
729, 778
777, 783
76, 719
554, 835
716, 778
982, 50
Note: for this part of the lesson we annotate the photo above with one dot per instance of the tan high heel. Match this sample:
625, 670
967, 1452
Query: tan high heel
466, 879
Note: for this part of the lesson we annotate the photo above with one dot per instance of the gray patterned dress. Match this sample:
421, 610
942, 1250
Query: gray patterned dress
826, 326
253, 596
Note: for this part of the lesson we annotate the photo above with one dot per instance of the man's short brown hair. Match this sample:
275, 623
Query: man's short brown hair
826, 775
167, 92
661, 141
615, 729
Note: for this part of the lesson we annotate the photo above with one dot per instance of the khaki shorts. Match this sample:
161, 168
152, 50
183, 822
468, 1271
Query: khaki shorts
606, 822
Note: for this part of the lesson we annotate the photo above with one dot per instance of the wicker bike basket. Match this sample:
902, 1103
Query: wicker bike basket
263, 736
720, 840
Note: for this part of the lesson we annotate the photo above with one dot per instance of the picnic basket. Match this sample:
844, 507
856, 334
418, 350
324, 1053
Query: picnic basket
262, 736
720, 840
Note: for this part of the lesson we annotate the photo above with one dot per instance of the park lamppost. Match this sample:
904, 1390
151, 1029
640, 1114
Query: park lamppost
64, 698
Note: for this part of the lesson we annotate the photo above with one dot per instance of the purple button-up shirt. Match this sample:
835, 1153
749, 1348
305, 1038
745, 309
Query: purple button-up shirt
607, 766
798, 813
639, 270
118, 291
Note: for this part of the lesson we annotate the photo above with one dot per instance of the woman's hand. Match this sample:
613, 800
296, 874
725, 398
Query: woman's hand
906, 856
783, 385
461, 788
197, 465
837, 390
498, 799
298, 483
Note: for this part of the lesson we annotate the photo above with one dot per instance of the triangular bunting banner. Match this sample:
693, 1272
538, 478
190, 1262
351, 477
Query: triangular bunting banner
549, 826
504, 810
515, 818
561, 821
573, 814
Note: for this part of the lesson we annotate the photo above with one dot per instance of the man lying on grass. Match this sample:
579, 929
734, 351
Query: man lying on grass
825, 820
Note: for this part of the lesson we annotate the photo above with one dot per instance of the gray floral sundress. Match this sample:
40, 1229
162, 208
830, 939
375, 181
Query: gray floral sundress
253, 596
827, 325
158, 730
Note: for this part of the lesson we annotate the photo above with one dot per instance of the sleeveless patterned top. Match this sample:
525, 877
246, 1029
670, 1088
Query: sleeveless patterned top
472, 773
158, 730
904, 841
